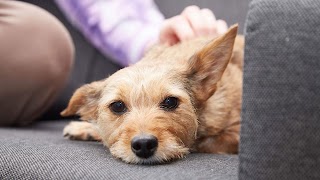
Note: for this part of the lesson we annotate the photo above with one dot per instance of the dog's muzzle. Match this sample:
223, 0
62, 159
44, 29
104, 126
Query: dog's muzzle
144, 146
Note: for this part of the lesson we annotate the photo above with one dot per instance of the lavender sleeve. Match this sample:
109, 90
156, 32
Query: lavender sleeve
118, 28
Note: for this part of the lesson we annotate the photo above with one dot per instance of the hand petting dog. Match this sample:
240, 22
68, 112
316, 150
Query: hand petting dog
191, 23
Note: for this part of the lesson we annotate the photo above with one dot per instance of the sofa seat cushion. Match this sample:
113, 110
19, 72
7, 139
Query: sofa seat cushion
40, 152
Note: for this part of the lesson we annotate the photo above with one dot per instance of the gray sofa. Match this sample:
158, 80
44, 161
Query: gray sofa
280, 137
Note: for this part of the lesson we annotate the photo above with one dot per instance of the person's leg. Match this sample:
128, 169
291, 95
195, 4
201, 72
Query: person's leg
36, 56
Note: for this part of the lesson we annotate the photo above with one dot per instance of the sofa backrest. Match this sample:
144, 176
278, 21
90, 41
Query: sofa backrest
280, 134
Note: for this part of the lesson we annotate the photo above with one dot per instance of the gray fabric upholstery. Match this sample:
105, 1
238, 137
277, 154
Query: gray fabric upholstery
41, 152
280, 137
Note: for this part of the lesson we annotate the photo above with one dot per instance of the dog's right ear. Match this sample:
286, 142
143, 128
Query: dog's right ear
84, 101
207, 66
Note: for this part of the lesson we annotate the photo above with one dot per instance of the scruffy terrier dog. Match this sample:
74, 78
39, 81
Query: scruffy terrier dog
177, 99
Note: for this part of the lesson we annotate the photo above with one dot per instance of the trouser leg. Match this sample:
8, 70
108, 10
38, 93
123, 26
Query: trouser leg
36, 56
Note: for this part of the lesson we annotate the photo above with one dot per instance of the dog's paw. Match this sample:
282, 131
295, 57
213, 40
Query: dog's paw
84, 131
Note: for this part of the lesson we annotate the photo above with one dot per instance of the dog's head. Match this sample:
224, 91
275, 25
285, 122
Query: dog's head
148, 112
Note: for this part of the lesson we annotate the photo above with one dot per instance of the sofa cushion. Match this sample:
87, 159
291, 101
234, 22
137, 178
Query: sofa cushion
41, 152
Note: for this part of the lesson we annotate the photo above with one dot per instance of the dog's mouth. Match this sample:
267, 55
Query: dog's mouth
148, 149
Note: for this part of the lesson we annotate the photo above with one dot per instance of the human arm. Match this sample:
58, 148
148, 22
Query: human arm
121, 29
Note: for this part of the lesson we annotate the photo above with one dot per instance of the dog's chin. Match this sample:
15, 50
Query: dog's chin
165, 153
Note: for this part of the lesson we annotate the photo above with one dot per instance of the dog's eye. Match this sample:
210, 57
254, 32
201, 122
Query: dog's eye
170, 103
118, 107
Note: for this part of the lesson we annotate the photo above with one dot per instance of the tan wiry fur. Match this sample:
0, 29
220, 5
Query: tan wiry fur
196, 72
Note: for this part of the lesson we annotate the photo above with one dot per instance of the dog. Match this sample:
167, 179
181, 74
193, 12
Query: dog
176, 100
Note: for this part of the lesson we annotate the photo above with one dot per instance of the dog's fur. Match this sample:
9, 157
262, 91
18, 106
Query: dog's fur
197, 73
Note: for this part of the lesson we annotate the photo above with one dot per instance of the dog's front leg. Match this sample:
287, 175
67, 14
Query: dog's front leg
81, 131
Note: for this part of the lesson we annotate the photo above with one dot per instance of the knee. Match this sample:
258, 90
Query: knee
35, 39
36, 57
52, 43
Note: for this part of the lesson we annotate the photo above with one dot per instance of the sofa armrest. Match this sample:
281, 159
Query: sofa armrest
280, 133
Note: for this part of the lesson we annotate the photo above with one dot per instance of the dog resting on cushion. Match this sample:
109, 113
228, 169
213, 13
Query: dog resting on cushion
177, 99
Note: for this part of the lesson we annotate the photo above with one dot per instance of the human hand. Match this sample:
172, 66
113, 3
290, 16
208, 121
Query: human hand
192, 22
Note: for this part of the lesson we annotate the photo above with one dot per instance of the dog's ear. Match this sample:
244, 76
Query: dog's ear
207, 66
84, 101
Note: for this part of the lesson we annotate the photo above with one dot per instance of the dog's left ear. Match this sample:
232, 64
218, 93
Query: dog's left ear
206, 67
84, 102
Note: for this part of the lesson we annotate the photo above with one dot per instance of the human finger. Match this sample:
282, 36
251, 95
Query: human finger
175, 29
222, 27
197, 22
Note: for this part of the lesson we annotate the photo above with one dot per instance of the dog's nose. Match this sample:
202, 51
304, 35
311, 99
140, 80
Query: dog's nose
144, 146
